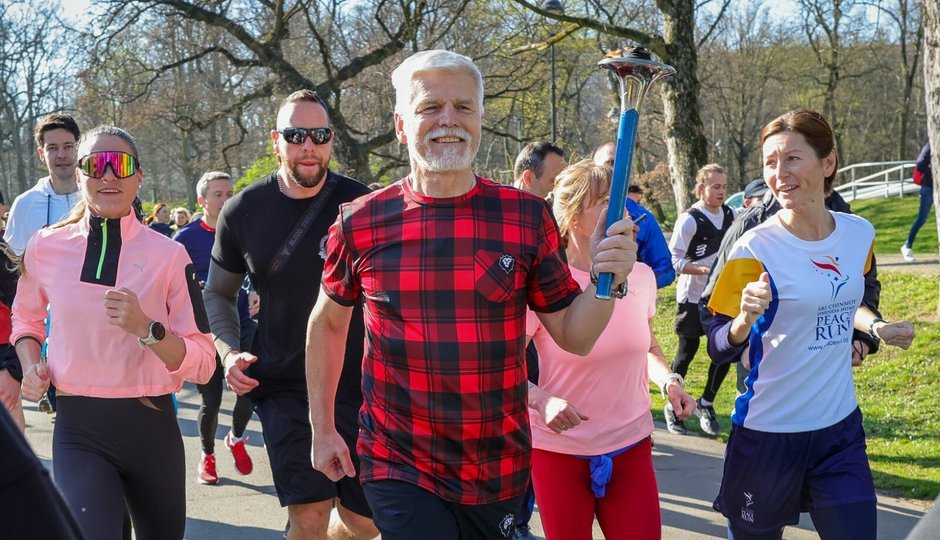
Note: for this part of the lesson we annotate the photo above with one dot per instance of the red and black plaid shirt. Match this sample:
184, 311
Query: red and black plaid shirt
446, 283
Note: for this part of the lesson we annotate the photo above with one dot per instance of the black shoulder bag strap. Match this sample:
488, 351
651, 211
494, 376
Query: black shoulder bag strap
302, 226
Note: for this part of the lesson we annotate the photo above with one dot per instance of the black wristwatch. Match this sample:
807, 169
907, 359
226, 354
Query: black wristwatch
155, 333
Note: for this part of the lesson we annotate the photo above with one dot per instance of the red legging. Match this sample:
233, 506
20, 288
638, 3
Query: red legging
567, 506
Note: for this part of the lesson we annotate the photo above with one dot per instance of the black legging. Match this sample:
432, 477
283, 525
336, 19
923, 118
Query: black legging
688, 346
208, 417
108, 452
716, 376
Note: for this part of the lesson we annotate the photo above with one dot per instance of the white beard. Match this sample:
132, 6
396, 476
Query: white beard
451, 159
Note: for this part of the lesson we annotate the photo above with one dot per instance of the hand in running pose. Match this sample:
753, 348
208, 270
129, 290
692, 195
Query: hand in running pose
36, 381
682, 403
123, 310
235, 365
557, 413
330, 455
900, 334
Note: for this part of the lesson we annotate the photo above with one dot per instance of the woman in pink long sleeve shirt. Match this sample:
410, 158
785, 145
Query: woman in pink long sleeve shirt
129, 326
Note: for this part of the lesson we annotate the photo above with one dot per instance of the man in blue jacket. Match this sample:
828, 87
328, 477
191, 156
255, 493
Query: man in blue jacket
652, 248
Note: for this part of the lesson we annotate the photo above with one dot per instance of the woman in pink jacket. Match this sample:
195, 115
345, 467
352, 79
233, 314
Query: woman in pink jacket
129, 326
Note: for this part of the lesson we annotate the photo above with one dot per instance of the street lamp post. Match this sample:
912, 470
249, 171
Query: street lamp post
557, 7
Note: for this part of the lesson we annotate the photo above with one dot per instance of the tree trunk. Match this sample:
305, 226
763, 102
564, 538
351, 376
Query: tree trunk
685, 135
22, 159
186, 167
908, 73
931, 22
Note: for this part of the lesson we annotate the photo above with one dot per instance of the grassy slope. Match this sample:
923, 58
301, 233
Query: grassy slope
893, 219
898, 390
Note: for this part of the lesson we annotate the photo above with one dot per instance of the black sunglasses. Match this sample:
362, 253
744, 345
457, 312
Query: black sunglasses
295, 135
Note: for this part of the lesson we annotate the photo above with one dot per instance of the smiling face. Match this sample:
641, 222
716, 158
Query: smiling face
109, 196
793, 172
442, 123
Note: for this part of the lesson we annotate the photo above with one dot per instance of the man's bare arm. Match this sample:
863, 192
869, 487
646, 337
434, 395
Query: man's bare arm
326, 350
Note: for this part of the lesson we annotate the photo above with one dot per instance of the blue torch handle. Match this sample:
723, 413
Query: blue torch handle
623, 164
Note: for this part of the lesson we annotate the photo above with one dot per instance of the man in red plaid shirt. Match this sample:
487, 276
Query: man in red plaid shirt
446, 263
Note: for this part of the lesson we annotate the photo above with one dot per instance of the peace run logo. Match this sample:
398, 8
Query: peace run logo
747, 513
830, 269
834, 320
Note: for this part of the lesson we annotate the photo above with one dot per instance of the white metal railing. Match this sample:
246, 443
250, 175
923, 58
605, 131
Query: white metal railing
892, 178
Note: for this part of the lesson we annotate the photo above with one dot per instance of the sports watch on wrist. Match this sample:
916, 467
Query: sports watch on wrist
155, 333
871, 328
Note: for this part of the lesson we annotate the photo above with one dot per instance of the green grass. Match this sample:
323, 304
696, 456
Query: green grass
893, 219
898, 390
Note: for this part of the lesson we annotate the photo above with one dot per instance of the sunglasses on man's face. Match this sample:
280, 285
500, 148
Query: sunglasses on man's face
95, 164
295, 135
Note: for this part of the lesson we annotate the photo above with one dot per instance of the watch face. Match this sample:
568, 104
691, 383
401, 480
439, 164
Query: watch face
157, 331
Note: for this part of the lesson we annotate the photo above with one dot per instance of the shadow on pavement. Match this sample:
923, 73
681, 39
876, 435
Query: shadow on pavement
198, 529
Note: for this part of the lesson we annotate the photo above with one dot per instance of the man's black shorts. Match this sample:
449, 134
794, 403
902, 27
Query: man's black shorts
287, 437
405, 511
688, 322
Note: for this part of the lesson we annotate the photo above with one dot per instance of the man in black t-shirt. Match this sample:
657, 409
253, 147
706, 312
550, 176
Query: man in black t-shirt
252, 235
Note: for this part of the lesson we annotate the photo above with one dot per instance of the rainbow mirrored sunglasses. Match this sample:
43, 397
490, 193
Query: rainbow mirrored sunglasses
122, 164
296, 135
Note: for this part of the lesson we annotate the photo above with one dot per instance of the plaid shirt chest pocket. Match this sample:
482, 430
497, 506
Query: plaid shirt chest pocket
498, 275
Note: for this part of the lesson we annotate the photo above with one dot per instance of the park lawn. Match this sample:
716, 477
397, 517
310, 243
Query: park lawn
893, 218
897, 390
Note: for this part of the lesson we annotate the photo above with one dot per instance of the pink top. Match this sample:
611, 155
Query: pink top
610, 385
87, 356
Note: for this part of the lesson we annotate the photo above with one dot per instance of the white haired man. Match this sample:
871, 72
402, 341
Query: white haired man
446, 263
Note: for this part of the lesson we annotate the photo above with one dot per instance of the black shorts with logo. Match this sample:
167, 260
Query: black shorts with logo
405, 511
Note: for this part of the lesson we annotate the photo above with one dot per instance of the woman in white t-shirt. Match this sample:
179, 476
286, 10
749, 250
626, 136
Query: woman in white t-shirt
591, 424
789, 296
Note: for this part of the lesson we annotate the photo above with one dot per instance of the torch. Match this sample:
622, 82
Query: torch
636, 70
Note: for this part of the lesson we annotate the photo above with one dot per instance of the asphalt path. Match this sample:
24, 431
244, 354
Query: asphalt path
688, 470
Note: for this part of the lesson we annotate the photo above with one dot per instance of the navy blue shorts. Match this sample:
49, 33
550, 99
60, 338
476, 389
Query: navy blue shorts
770, 478
287, 438
405, 511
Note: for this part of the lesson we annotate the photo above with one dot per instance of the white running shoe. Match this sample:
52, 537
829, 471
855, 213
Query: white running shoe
907, 253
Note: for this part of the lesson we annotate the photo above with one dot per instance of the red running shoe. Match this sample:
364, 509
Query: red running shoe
207, 473
242, 459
